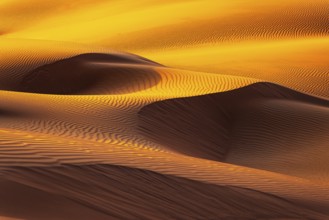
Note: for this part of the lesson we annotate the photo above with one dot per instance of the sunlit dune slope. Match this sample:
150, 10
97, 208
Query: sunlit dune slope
278, 41
299, 64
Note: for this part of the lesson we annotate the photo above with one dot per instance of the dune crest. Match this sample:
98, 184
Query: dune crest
91, 74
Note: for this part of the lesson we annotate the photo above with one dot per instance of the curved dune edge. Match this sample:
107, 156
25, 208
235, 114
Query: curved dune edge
136, 193
263, 125
90, 74
298, 64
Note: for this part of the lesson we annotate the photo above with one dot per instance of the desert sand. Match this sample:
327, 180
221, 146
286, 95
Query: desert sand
150, 109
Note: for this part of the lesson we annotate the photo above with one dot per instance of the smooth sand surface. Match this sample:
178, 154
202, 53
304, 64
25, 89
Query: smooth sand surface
164, 109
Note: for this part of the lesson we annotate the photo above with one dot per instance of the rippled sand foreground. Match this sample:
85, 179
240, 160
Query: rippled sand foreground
150, 109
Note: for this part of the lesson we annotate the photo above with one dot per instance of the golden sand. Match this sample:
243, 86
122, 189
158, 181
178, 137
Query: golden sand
150, 109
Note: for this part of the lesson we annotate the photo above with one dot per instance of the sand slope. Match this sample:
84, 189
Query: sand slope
263, 125
278, 41
61, 135
200, 109
127, 193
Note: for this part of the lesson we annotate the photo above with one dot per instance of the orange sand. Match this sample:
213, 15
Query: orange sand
150, 109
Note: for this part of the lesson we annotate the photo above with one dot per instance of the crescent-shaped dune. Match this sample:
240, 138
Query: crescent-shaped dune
178, 109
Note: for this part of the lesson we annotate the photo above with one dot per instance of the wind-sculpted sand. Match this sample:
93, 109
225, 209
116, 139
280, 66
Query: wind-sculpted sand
164, 110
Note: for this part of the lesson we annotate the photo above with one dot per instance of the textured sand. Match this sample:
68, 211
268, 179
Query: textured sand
164, 109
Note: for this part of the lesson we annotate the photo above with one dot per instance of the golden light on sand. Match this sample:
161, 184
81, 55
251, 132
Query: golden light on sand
188, 109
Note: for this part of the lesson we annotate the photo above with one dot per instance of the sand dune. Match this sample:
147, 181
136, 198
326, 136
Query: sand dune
277, 41
263, 125
91, 74
164, 109
53, 137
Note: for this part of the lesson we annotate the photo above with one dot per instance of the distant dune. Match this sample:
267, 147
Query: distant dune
91, 74
164, 110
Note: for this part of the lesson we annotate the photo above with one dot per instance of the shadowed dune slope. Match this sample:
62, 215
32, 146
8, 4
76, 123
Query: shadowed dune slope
263, 125
90, 74
20, 201
141, 194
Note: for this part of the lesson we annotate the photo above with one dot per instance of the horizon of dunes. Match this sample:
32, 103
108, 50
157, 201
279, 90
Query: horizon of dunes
150, 109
